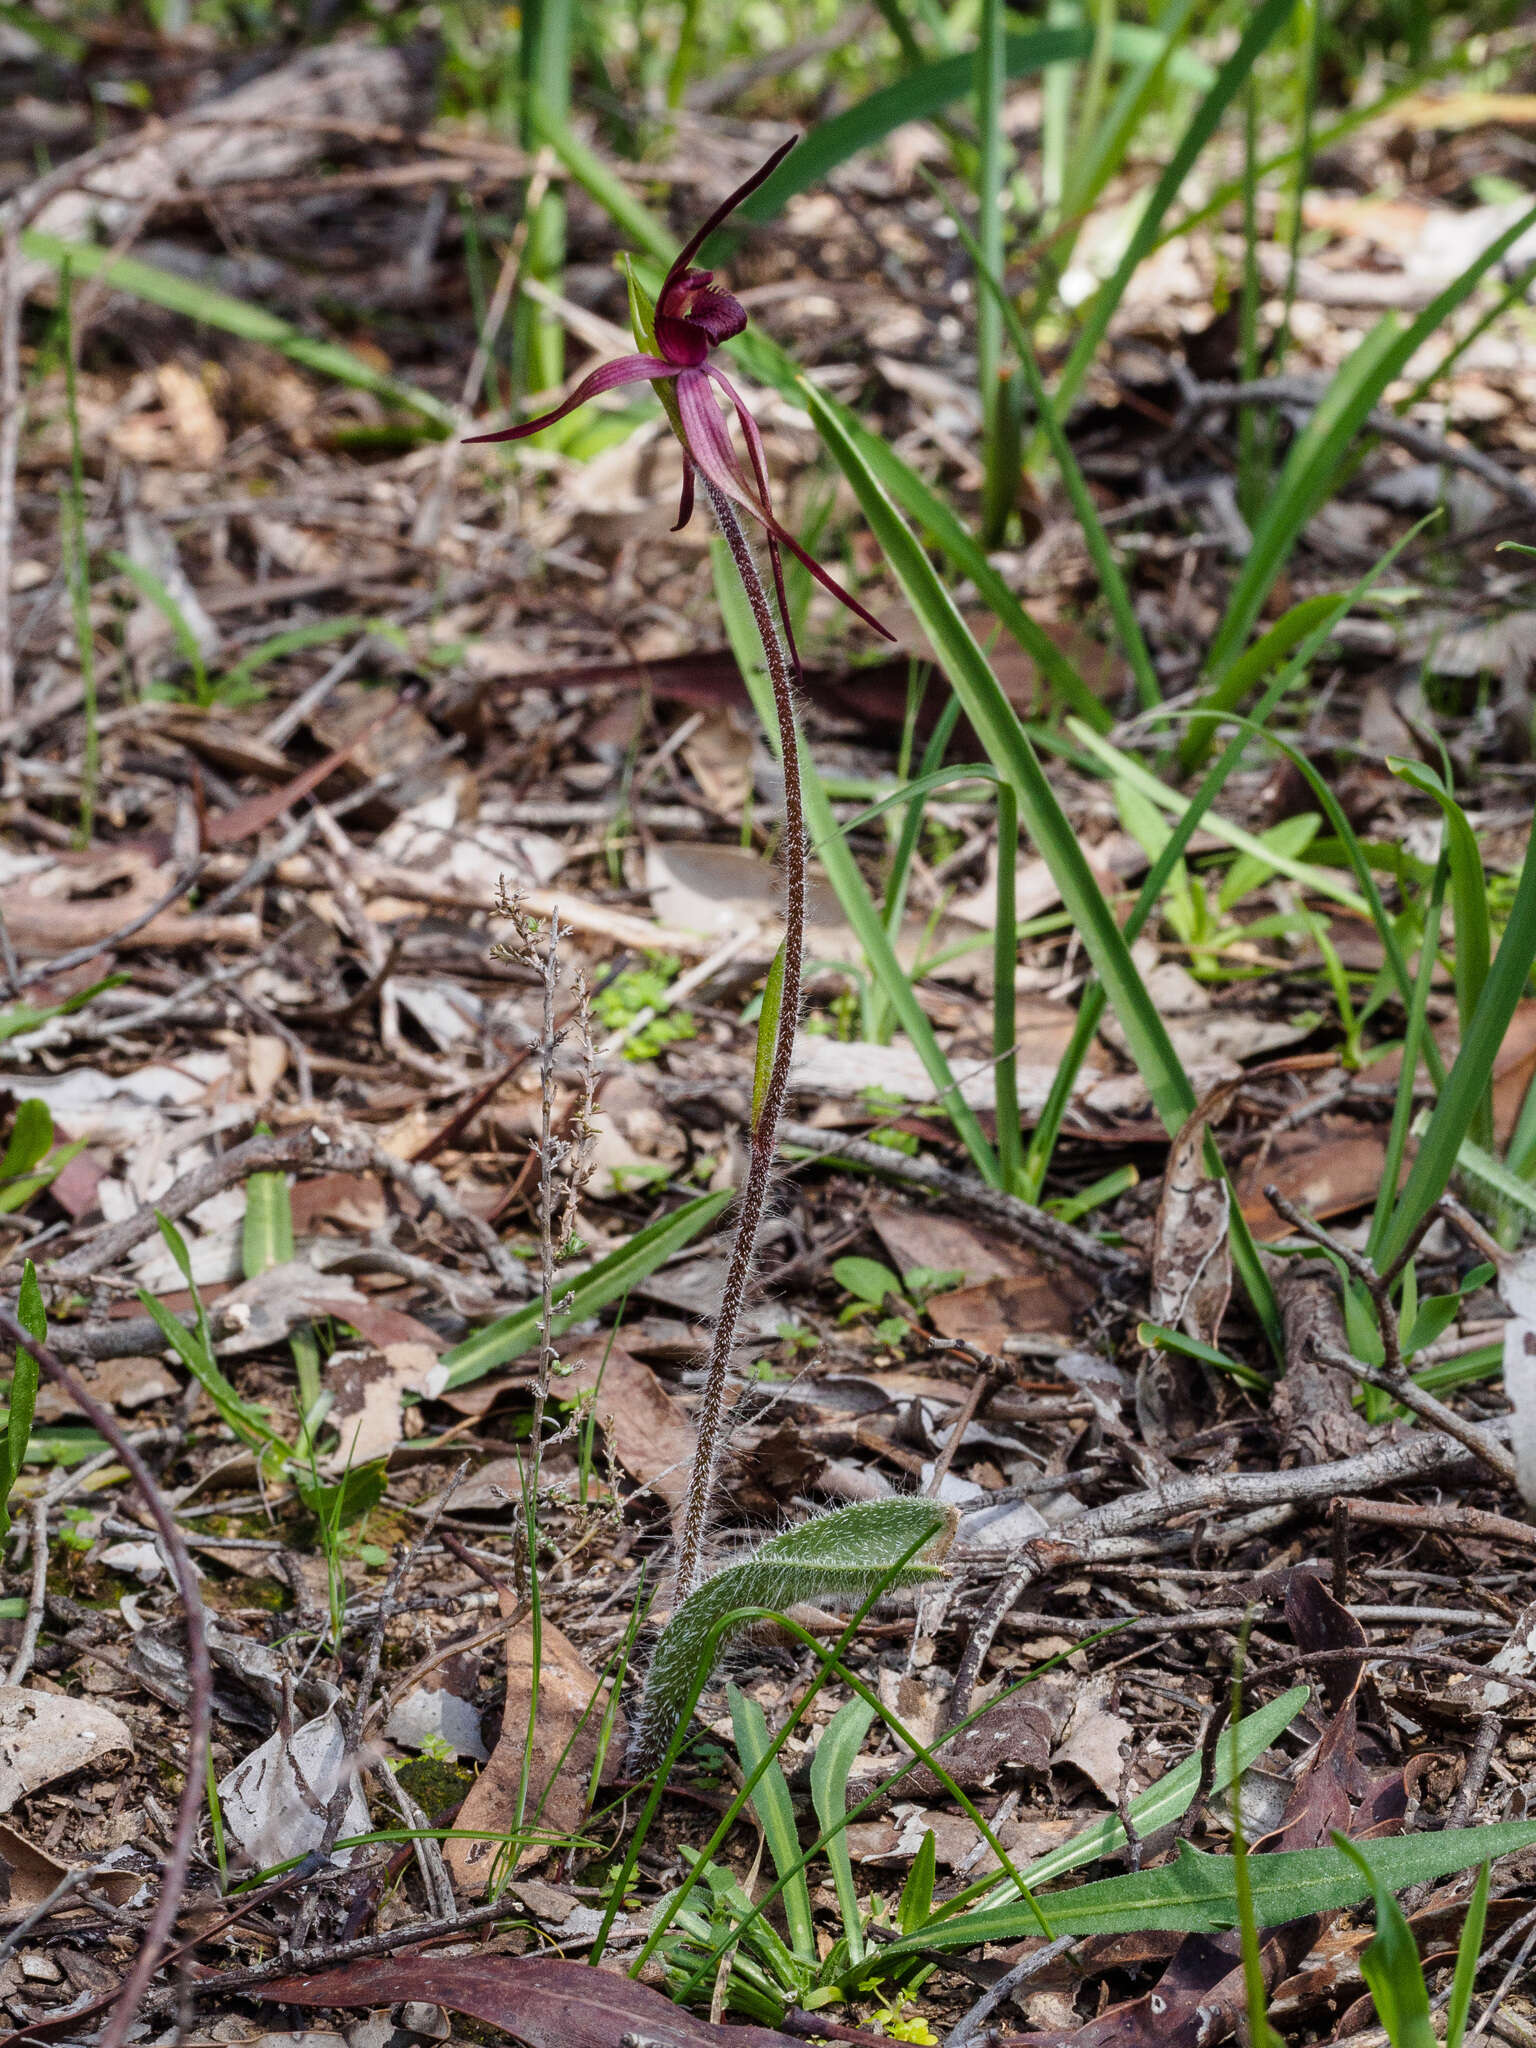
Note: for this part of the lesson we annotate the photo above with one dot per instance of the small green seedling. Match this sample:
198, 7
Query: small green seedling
1394, 1973
873, 1286
338, 1506
31, 1159
630, 995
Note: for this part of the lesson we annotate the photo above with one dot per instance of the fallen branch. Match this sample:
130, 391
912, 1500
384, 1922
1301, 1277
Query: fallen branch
1018, 1219
1419, 1457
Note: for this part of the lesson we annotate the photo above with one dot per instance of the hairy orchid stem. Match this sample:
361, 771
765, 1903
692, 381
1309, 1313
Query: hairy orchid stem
765, 1129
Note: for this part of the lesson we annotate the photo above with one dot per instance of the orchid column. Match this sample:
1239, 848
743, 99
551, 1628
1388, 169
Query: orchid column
692, 316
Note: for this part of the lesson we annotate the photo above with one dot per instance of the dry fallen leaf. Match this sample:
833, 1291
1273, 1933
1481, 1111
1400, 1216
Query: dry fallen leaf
646, 1430
33, 1875
1191, 1250
541, 2000
567, 1724
46, 1735
274, 1803
1093, 1742
370, 1389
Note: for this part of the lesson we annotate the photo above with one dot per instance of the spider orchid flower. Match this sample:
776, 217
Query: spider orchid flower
692, 317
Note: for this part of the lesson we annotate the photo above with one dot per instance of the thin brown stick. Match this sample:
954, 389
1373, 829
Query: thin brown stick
57, 963
107, 1248
1447, 1518
1420, 1457
1493, 1454
173, 1873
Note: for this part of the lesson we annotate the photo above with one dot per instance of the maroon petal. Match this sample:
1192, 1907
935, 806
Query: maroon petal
681, 341
677, 286
701, 416
685, 502
758, 457
724, 211
626, 370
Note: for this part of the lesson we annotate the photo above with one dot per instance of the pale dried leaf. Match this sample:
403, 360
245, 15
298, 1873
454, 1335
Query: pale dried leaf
46, 1735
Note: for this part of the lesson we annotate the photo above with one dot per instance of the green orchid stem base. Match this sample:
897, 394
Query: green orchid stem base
710, 1420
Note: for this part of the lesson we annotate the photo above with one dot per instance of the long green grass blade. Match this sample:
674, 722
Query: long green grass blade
836, 1752
775, 1811
919, 96
32, 1314
195, 301
1312, 471
1390, 1963
1469, 887
1196, 1894
1008, 746
605, 1281
1261, 29
1415, 1032
1301, 633
1467, 1083
1468, 1951
1111, 582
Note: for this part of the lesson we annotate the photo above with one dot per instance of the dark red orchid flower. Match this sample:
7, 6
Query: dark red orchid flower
693, 316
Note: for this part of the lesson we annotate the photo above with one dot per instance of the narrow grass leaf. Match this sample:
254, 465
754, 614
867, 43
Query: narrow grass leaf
33, 1317
1312, 471
1473, 950
1467, 1083
835, 1755
1111, 582
1196, 1893
1390, 1963
266, 1237
1261, 29
775, 1811
157, 287
605, 1281
1468, 1951
767, 1033
1008, 746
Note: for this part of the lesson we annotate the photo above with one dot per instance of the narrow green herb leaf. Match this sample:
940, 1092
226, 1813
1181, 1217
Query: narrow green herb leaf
31, 1136
1468, 1950
767, 1033
775, 1811
916, 1901
267, 1233
1467, 1083
601, 1283
1390, 1963
840, 1744
1196, 1894
33, 1317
